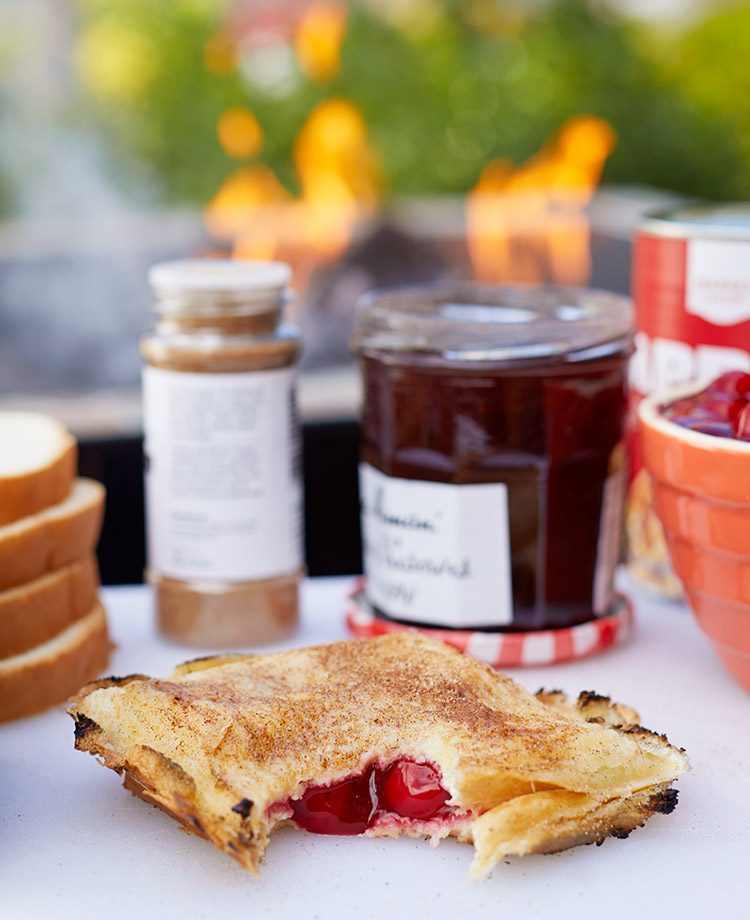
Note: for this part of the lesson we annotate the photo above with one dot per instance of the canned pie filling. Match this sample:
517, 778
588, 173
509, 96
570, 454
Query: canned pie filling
493, 466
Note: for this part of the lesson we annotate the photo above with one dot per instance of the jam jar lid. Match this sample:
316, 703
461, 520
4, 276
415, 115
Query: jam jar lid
464, 321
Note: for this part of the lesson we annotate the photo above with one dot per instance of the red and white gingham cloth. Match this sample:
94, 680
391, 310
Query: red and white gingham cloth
506, 649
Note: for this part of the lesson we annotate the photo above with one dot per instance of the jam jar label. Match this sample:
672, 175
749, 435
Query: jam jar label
436, 553
223, 474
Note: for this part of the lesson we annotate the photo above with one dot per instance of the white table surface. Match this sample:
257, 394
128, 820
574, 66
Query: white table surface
74, 844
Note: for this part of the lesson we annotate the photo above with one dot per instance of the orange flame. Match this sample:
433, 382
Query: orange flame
319, 37
338, 172
339, 177
241, 197
529, 223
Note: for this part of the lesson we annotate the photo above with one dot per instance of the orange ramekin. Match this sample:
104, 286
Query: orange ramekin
702, 496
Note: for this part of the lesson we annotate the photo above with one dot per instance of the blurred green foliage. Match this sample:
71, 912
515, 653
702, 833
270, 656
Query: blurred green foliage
712, 63
442, 93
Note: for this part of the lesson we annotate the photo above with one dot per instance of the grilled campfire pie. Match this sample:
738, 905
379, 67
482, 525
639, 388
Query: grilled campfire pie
386, 736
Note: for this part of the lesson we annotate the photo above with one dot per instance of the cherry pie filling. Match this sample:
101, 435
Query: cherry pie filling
402, 790
722, 409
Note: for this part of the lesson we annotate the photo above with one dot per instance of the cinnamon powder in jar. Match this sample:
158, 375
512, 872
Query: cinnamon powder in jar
223, 474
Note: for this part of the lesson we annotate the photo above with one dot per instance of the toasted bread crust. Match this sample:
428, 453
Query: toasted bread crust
52, 538
223, 747
35, 612
550, 821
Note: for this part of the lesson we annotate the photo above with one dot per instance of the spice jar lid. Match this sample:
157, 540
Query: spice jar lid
249, 276
493, 323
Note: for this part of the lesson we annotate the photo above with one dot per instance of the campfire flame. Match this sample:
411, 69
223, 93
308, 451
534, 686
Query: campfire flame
318, 39
339, 173
336, 165
523, 223
529, 223
339, 178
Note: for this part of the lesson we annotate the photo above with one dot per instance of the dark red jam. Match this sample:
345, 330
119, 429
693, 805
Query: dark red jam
404, 789
721, 410
521, 389
548, 433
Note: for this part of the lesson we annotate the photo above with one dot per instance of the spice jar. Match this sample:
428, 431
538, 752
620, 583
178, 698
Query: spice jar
493, 461
222, 453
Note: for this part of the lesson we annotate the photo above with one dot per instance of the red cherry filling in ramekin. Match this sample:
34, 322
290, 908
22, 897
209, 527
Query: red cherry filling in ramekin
722, 409
404, 789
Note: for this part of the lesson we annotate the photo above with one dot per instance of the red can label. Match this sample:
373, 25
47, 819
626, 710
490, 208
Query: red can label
692, 311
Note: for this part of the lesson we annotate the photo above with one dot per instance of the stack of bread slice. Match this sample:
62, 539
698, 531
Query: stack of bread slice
53, 629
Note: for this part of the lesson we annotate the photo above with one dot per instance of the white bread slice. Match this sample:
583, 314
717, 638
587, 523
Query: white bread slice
38, 459
48, 674
52, 538
38, 610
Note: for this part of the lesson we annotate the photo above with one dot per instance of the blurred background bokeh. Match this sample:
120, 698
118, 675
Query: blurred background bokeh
366, 143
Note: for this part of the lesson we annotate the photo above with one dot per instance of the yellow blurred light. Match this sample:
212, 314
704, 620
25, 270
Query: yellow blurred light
490, 17
236, 205
319, 37
333, 156
259, 243
115, 62
416, 18
239, 133
220, 55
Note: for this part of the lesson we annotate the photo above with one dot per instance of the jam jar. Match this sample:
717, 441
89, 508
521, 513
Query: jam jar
493, 464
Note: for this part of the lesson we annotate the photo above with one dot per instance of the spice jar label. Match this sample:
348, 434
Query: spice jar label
436, 553
223, 478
